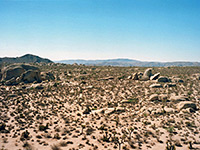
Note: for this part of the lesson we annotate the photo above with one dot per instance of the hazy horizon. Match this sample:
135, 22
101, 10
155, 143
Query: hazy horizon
164, 31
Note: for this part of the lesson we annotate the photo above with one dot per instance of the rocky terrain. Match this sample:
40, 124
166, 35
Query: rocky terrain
71, 107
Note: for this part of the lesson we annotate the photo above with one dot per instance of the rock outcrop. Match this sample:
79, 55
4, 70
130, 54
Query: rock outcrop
14, 74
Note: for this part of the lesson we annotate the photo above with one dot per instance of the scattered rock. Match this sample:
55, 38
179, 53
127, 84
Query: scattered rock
0, 75
163, 79
170, 85
169, 110
119, 110
144, 78
155, 76
156, 86
154, 97
109, 111
178, 98
178, 80
129, 77
163, 97
125, 101
158, 111
135, 76
107, 78
12, 95
87, 110
47, 76
186, 104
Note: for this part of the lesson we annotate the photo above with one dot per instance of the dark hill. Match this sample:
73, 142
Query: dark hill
28, 58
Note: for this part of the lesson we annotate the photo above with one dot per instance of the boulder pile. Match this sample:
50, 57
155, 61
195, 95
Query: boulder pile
17, 73
148, 75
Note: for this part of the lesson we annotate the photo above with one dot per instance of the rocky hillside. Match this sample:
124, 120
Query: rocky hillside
28, 58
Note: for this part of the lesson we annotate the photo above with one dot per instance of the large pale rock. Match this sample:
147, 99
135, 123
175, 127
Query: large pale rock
163, 79
148, 72
155, 76
156, 86
186, 104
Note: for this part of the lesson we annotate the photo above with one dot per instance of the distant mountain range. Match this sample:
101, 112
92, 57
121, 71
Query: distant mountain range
128, 62
28, 58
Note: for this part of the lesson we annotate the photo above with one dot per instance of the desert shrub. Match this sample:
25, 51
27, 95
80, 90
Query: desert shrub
25, 135
43, 128
2, 126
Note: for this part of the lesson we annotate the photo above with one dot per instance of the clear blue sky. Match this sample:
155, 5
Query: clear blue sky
158, 30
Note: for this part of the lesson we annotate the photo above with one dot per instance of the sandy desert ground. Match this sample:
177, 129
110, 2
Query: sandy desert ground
97, 108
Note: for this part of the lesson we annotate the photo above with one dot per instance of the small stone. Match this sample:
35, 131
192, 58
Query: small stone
170, 85
186, 104
178, 98
154, 97
163, 79
156, 86
135, 76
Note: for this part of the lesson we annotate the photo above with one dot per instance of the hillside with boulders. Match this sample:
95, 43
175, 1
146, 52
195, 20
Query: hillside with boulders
28, 58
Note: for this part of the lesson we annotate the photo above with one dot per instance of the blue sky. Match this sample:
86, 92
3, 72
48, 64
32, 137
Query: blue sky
150, 30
